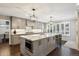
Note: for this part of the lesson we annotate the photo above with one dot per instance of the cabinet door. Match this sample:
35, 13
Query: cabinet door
22, 46
50, 44
67, 28
41, 45
15, 39
45, 48
54, 43
36, 48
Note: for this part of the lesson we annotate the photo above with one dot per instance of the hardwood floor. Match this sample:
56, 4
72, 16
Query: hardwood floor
64, 51
6, 50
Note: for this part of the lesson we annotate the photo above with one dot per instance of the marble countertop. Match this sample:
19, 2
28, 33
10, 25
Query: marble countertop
35, 37
27, 33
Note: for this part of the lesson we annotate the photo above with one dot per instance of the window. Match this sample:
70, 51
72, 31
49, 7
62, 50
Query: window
62, 28
54, 29
4, 26
58, 28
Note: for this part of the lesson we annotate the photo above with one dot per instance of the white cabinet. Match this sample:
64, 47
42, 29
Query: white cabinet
40, 47
64, 28
67, 28
15, 39
60, 27
51, 44
44, 46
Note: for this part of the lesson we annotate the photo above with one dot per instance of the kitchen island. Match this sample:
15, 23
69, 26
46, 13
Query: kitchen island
37, 44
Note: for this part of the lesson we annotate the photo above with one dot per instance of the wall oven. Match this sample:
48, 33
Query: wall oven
28, 45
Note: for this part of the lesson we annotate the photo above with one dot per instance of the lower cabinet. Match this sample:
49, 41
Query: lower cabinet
40, 47
51, 44
15, 39
44, 46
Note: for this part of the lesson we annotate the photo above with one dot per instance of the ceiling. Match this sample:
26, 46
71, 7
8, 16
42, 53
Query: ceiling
59, 11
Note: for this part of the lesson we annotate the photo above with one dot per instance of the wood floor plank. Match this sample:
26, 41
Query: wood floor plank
6, 50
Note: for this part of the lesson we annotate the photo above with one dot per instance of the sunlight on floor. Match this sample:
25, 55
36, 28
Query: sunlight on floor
71, 44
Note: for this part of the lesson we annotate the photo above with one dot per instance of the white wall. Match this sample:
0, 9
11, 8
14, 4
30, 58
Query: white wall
72, 36
73, 30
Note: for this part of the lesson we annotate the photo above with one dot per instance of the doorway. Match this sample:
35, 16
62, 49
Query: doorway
4, 31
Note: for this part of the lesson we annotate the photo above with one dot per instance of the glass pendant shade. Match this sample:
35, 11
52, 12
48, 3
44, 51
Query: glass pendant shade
33, 17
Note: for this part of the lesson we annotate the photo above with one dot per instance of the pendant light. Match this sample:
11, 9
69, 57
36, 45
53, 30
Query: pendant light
33, 17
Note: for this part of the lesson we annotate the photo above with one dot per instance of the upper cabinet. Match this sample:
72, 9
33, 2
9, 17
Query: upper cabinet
60, 27
18, 23
67, 28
